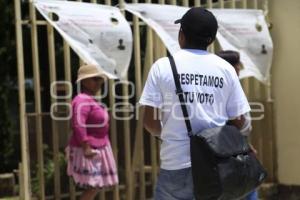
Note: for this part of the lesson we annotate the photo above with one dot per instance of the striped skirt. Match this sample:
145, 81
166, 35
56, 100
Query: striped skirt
97, 172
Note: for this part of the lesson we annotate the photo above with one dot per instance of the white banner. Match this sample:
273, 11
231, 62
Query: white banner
241, 30
99, 34
162, 23
246, 31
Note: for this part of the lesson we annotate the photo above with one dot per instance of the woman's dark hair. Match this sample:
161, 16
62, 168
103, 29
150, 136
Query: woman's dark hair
233, 57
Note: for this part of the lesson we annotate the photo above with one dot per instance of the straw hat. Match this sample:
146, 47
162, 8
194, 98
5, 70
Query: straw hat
88, 71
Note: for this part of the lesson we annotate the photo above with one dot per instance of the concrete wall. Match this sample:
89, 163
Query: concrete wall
285, 16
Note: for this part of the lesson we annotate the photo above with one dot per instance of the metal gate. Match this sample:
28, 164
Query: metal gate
137, 153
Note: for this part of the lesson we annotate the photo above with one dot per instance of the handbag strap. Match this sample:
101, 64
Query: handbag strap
179, 93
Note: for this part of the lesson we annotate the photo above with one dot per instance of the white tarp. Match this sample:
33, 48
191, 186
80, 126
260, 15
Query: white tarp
99, 34
242, 30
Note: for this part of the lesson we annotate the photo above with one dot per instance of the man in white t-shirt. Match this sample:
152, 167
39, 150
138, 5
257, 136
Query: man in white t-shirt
212, 92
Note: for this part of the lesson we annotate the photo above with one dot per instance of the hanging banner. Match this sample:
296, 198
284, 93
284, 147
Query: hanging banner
246, 31
249, 36
162, 23
99, 34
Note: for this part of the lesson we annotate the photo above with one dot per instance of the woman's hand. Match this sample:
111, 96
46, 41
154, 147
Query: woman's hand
88, 151
253, 149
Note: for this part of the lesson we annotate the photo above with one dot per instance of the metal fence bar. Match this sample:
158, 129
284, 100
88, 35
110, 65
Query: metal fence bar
211, 47
221, 3
173, 2
127, 142
255, 4
162, 51
25, 184
113, 125
233, 4
101, 195
55, 140
37, 99
127, 138
255, 94
245, 82
68, 78
113, 133
244, 4
139, 137
185, 3
81, 62
149, 61
197, 3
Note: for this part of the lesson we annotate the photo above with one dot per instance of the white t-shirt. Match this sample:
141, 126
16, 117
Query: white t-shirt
213, 94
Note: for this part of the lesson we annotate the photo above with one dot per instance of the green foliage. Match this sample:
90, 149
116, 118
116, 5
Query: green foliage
48, 171
8, 79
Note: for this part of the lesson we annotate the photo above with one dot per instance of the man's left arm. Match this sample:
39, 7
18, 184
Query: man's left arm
152, 120
151, 100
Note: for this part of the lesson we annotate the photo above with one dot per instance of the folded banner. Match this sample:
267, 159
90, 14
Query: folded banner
241, 30
99, 34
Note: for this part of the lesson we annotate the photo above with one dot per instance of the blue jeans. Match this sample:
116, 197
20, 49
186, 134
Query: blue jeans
252, 196
178, 185
174, 185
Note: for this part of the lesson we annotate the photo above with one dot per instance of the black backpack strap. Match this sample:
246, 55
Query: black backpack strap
179, 93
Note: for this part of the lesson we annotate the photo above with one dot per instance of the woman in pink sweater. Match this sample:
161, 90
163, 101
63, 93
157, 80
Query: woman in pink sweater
90, 159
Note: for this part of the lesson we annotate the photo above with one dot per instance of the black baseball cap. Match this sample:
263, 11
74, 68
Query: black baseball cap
199, 23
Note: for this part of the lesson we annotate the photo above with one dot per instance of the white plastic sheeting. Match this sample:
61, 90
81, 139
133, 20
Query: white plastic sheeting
241, 30
99, 34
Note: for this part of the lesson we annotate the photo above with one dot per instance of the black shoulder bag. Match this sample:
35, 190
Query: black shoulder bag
223, 165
